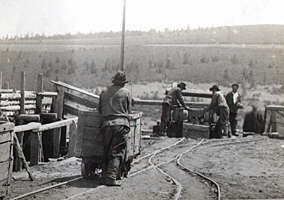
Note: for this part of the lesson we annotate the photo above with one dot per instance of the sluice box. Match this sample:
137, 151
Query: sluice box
89, 140
6, 156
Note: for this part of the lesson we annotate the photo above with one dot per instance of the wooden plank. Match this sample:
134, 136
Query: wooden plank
4, 103
6, 90
275, 107
48, 94
138, 101
29, 95
80, 91
27, 127
58, 124
200, 95
80, 100
1, 80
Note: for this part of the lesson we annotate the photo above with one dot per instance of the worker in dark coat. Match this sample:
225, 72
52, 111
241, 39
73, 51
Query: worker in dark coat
172, 99
254, 121
114, 106
219, 106
233, 99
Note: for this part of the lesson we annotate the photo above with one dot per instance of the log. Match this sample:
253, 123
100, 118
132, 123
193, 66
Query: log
15, 102
27, 127
200, 95
22, 156
143, 102
57, 124
18, 108
17, 96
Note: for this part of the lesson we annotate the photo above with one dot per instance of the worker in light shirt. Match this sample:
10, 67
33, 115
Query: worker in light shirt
233, 99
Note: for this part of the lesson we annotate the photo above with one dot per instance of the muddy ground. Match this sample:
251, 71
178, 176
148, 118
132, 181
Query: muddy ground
251, 170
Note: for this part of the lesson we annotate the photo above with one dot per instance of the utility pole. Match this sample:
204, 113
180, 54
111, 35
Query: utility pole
122, 38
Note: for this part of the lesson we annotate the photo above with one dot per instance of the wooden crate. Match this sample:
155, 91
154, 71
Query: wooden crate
89, 140
6, 156
134, 136
196, 131
274, 120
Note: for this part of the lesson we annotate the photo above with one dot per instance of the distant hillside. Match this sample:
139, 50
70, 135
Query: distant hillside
250, 34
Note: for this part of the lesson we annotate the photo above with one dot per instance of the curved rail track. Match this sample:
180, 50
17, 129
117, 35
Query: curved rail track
152, 165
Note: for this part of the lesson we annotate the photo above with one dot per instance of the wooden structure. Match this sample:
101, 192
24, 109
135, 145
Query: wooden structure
6, 156
89, 140
274, 120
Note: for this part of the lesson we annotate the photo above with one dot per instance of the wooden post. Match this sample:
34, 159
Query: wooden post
21, 155
22, 100
1, 80
6, 85
57, 132
35, 149
38, 90
122, 38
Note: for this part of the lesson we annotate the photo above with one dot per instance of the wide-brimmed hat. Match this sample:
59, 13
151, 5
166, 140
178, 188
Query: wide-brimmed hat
119, 78
215, 87
235, 84
182, 85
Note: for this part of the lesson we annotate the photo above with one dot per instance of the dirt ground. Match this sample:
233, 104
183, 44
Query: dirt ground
251, 170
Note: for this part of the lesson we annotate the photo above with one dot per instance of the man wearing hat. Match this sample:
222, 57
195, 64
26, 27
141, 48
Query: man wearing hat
233, 99
219, 106
172, 99
114, 106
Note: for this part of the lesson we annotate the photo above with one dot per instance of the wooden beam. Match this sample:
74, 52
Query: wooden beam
27, 127
275, 107
29, 95
195, 94
38, 90
1, 80
75, 90
22, 156
58, 124
22, 100
138, 101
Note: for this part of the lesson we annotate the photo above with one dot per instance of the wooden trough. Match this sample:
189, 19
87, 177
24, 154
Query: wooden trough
6, 156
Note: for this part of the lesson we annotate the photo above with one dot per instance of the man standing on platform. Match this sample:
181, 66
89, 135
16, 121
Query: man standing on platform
114, 106
233, 99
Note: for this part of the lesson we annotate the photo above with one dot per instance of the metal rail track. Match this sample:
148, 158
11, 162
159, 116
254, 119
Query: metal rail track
151, 156
80, 177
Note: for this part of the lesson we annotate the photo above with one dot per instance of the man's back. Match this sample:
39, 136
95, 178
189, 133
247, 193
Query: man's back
115, 101
175, 96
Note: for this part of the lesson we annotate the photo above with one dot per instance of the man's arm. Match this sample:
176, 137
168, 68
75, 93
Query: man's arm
100, 104
181, 99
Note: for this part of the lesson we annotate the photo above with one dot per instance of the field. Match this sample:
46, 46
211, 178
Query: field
90, 65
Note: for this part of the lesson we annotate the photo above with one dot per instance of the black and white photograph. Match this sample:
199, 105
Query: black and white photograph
141, 99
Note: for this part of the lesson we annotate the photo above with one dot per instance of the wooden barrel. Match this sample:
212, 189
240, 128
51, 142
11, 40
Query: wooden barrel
6, 156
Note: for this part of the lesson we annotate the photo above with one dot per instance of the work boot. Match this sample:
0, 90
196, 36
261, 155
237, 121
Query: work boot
111, 182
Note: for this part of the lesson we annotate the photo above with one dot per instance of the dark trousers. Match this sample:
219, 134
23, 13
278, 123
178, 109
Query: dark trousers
223, 122
165, 117
233, 123
115, 144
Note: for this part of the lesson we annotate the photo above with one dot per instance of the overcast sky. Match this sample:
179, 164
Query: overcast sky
63, 16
